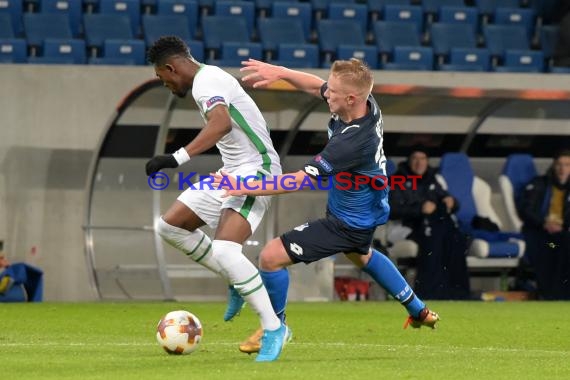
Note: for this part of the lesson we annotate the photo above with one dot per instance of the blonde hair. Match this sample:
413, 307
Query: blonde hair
356, 73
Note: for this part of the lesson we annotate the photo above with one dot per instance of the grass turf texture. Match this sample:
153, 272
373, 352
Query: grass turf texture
475, 340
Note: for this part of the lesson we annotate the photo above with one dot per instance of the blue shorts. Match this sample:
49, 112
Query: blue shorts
323, 238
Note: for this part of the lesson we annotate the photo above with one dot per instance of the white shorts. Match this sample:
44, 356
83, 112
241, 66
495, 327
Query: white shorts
208, 204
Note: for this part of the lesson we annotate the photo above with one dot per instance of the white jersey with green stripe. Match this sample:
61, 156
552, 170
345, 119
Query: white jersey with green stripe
248, 145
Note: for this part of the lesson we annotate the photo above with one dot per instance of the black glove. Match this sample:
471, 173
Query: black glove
157, 163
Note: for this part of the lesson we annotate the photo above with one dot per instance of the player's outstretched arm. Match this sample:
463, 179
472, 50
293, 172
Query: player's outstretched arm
284, 183
264, 74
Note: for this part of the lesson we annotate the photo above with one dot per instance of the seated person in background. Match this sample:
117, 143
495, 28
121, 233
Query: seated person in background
5, 280
545, 211
429, 212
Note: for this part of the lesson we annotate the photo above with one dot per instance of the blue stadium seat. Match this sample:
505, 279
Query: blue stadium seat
13, 50
522, 61
218, 29
333, 33
559, 70
352, 12
6, 29
474, 196
264, 7
405, 13
411, 58
196, 49
69, 7
432, 7
459, 15
233, 53
321, 7
72, 51
156, 26
274, 31
128, 50
129, 8
499, 38
100, 27
186, 8
447, 36
391, 34
300, 56
518, 171
548, 40
487, 7
366, 53
239, 9
40, 26
302, 11
461, 59
545, 9
15, 9
376, 7
516, 16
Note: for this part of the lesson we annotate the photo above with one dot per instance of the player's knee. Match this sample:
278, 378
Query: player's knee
164, 229
273, 257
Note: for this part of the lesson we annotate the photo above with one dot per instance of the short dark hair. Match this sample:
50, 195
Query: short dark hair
562, 153
165, 48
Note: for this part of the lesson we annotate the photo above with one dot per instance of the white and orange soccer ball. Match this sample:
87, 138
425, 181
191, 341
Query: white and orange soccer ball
179, 332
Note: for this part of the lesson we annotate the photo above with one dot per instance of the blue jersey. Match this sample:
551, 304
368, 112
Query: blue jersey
353, 151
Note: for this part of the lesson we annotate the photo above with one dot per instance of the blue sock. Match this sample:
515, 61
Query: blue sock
388, 276
277, 285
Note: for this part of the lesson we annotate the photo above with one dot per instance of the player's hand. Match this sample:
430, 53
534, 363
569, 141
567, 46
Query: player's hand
260, 73
227, 182
157, 163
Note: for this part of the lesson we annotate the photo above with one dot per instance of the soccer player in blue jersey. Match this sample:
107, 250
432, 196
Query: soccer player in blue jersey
353, 160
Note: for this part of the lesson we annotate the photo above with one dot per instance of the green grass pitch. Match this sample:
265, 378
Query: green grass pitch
360, 340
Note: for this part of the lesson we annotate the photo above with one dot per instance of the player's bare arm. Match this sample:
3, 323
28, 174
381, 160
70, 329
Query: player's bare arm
218, 125
285, 183
264, 74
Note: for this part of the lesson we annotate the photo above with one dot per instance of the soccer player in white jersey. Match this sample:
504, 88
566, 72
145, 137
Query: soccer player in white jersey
236, 126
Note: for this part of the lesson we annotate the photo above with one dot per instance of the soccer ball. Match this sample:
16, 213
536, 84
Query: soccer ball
179, 332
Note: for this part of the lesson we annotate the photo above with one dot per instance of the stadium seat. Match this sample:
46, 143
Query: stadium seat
129, 8
13, 50
376, 7
156, 26
499, 38
100, 27
444, 37
545, 9
186, 8
516, 16
518, 171
432, 7
40, 26
467, 60
70, 8
70, 51
405, 13
559, 70
411, 58
333, 33
459, 15
321, 7
239, 9
233, 53
487, 7
14, 8
299, 56
128, 50
6, 29
474, 196
522, 61
391, 34
548, 40
218, 29
274, 31
352, 12
366, 53
301, 11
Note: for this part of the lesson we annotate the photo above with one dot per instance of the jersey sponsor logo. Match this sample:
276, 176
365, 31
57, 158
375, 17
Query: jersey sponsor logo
213, 100
296, 249
324, 163
349, 127
311, 170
